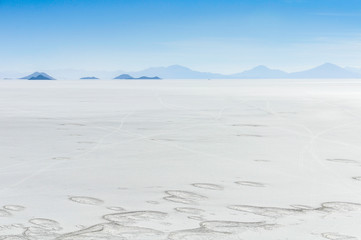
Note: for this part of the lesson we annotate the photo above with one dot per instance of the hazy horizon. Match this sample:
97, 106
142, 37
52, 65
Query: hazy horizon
227, 36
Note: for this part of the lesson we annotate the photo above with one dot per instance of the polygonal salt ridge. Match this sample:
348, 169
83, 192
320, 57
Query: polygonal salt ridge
4, 213
15, 229
249, 135
61, 158
195, 211
83, 232
337, 236
40, 233
118, 209
135, 216
342, 160
12, 226
235, 227
185, 194
300, 206
358, 178
250, 184
179, 200
276, 212
273, 212
340, 206
86, 200
184, 197
114, 231
248, 125
72, 124
47, 224
197, 218
14, 207
201, 234
209, 186
13, 237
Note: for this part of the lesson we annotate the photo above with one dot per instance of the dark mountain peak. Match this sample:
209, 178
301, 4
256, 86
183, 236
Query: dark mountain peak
38, 76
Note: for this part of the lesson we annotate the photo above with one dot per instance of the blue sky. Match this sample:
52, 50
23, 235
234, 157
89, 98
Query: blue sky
210, 35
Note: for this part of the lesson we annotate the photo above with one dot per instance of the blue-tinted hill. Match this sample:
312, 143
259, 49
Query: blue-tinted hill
127, 76
38, 76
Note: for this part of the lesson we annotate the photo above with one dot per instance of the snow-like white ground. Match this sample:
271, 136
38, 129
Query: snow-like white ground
180, 160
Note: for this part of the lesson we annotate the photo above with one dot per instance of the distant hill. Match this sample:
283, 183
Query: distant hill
175, 71
124, 76
145, 77
355, 70
260, 72
127, 76
38, 76
327, 70
89, 78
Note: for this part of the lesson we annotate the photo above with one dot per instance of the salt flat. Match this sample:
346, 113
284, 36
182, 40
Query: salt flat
180, 159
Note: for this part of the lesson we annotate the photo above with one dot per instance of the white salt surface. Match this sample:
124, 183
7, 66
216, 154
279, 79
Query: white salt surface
180, 160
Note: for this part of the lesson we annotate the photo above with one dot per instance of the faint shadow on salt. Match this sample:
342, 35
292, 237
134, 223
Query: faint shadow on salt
272, 212
16, 208
261, 160
47, 224
337, 236
183, 197
249, 135
208, 186
216, 230
187, 210
117, 209
86, 200
250, 184
248, 125
342, 160
114, 230
276, 212
4, 213
197, 218
135, 216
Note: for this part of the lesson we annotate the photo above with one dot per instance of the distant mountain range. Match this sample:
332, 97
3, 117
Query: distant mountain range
326, 70
127, 76
260, 72
175, 71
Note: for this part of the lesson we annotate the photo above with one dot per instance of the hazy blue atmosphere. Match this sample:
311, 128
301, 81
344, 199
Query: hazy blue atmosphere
180, 119
209, 35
